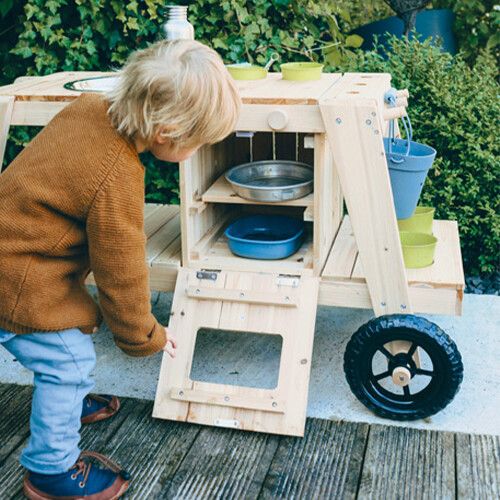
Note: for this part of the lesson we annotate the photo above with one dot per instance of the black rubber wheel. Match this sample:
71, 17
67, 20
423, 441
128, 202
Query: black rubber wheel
369, 367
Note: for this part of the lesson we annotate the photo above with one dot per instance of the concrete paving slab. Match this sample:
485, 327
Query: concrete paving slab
474, 410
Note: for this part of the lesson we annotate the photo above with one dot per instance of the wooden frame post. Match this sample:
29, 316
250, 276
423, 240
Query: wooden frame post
355, 135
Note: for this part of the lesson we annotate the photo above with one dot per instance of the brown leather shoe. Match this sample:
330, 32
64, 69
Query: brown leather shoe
83, 481
96, 408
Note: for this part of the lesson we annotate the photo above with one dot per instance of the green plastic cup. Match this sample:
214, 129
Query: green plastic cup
419, 222
418, 249
246, 71
302, 71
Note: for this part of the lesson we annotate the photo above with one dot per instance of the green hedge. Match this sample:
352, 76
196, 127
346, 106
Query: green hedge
454, 108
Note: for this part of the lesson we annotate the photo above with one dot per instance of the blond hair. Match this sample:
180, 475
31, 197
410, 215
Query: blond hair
181, 85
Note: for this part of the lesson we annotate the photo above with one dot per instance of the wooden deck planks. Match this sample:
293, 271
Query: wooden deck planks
334, 459
405, 463
15, 407
326, 463
223, 463
94, 438
150, 449
478, 466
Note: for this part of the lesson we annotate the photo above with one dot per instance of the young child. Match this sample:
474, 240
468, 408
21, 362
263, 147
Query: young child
73, 202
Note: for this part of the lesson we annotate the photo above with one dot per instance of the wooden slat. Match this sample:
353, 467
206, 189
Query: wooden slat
163, 238
325, 463
328, 202
158, 216
426, 300
408, 463
151, 450
355, 137
343, 254
222, 464
222, 192
273, 90
478, 466
15, 408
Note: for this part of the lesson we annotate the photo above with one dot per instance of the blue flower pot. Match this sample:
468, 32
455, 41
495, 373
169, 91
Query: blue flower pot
435, 23
407, 173
266, 237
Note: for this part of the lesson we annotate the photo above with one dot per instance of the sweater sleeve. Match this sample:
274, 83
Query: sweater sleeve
117, 251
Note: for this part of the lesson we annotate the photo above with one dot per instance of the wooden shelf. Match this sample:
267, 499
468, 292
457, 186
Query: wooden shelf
218, 256
434, 289
222, 192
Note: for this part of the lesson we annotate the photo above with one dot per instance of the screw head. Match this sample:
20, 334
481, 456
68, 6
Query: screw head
338, 120
242, 294
303, 361
226, 398
383, 304
181, 393
403, 306
275, 404
368, 122
377, 132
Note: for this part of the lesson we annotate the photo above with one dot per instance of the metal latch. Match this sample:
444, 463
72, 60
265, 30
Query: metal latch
208, 274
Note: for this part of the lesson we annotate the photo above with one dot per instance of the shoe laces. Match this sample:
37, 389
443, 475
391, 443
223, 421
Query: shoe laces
83, 466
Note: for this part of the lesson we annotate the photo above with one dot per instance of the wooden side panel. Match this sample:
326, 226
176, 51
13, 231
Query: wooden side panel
195, 176
356, 140
327, 201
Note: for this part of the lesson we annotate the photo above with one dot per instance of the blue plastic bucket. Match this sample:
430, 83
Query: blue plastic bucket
265, 236
408, 168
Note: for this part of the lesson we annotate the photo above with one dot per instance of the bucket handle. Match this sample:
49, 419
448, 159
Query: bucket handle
390, 99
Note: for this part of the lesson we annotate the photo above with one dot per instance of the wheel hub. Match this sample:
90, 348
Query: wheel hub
402, 369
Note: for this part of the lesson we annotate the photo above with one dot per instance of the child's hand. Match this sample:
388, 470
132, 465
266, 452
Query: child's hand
171, 344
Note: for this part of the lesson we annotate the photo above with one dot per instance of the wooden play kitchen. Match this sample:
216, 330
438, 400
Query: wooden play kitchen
336, 125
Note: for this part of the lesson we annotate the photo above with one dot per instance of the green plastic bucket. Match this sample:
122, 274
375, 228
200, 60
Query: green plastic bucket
418, 249
301, 71
419, 222
246, 71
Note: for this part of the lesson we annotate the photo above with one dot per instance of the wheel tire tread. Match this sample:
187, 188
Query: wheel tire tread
376, 326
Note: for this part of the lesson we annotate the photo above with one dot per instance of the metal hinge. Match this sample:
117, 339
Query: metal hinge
208, 274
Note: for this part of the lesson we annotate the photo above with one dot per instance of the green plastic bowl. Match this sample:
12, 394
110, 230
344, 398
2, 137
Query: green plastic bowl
302, 71
246, 72
418, 249
419, 222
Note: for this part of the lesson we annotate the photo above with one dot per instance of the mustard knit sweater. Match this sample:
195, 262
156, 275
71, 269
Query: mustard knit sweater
72, 202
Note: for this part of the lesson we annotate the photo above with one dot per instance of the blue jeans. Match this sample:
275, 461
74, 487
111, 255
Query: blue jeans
61, 362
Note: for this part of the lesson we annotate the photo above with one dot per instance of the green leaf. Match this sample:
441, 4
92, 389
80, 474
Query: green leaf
354, 41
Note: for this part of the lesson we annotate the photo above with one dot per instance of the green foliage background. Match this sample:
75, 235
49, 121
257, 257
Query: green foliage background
452, 105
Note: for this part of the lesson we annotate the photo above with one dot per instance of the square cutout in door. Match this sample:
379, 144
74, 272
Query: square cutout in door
239, 358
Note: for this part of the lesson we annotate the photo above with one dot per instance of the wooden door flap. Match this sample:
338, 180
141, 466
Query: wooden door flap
240, 302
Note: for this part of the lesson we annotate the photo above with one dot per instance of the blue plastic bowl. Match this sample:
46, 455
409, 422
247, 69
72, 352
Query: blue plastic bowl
265, 237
